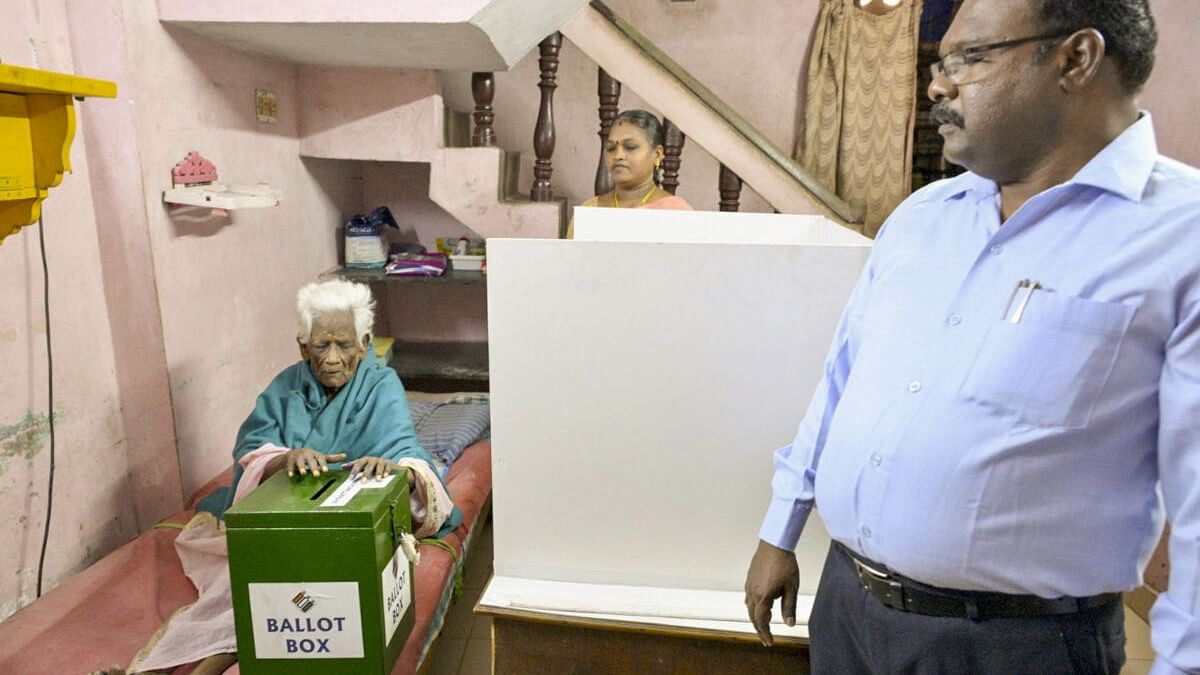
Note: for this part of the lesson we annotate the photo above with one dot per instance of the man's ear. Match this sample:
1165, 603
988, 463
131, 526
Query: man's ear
366, 341
303, 350
1081, 57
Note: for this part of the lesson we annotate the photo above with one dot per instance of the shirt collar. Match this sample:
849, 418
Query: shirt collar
1123, 167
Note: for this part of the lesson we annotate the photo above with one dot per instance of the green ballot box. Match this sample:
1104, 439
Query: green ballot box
320, 583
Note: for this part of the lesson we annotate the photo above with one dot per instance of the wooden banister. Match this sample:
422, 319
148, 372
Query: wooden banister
731, 189
608, 90
483, 89
543, 133
673, 140
616, 45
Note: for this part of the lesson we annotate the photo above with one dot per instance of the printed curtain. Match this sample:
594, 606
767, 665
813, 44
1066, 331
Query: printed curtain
861, 104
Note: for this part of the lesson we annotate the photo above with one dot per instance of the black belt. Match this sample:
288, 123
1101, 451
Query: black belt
904, 594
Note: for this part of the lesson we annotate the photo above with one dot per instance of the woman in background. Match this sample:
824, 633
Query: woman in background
633, 155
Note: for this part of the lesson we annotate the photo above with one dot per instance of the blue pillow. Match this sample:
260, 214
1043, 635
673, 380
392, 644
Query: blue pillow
445, 429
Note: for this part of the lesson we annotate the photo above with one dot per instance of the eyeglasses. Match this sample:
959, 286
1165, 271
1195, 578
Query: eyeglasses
956, 64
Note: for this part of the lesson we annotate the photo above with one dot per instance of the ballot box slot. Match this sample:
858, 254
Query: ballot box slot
317, 495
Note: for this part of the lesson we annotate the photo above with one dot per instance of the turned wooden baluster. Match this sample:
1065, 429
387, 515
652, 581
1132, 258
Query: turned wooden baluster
731, 189
483, 88
609, 91
673, 140
543, 133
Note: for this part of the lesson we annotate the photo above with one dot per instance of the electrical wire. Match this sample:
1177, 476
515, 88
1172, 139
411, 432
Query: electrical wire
50, 416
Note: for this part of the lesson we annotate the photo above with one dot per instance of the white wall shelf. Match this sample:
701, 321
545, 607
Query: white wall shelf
223, 196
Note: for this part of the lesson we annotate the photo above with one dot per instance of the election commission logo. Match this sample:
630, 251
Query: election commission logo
304, 601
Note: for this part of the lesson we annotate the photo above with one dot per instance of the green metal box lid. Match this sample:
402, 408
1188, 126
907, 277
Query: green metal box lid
328, 500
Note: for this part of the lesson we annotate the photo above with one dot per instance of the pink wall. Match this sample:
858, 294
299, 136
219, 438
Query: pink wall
421, 311
753, 60
165, 326
322, 10
92, 511
1172, 95
226, 285
110, 135
757, 61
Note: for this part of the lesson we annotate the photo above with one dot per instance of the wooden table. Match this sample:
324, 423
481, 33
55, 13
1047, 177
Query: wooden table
525, 642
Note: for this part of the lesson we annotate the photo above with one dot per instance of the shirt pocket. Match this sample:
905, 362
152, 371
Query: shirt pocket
1050, 368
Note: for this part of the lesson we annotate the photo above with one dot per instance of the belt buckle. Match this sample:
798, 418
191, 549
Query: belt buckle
881, 584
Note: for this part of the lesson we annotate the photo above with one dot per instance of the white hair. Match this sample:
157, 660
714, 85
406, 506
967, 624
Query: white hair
331, 297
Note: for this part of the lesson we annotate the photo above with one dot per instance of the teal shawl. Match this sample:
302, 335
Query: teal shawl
367, 417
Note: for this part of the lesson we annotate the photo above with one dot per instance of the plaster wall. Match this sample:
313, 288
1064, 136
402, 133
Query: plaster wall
753, 60
166, 324
460, 35
1171, 95
93, 510
322, 11
757, 61
414, 311
226, 284
206, 301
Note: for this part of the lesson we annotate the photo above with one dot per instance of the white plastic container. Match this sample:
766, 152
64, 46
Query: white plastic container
467, 263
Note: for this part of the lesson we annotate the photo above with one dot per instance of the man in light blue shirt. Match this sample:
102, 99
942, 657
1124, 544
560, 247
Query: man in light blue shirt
1016, 372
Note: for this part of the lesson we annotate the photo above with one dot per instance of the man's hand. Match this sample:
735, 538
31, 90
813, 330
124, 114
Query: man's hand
773, 574
302, 460
373, 467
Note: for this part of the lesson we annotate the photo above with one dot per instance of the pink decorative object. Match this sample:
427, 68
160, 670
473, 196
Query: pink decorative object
193, 170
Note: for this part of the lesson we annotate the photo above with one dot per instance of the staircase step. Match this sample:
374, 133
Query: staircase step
411, 123
458, 129
510, 174
464, 36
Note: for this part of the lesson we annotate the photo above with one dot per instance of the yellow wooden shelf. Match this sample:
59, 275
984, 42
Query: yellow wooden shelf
18, 80
37, 125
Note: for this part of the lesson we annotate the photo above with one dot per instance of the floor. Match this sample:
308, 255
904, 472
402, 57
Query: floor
465, 646
1139, 656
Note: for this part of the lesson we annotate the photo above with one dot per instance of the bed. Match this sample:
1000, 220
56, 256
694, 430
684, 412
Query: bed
102, 616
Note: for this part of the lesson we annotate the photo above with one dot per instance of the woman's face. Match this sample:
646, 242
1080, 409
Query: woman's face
333, 351
629, 157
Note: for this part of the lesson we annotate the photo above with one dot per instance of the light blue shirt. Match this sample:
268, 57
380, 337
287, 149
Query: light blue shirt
967, 451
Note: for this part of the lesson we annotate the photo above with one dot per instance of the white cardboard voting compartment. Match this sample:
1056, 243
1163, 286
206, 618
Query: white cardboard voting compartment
639, 389
600, 224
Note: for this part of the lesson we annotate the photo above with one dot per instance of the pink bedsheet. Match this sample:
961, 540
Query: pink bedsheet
102, 616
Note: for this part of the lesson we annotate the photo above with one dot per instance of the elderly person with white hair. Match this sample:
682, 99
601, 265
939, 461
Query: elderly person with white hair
339, 402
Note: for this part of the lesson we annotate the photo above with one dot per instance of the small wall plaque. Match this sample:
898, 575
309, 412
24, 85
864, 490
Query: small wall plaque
266, 106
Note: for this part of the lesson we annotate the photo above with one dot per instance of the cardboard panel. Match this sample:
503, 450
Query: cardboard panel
639, 389
600, 224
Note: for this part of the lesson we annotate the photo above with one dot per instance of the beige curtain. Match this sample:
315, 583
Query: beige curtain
858, 121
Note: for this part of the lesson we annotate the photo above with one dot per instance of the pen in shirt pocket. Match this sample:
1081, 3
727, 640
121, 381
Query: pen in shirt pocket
1023, 285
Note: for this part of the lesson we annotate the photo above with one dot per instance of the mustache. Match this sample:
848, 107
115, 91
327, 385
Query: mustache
942, 114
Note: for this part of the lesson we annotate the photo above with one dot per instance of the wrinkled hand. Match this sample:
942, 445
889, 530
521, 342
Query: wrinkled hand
302, 460
773, 574
373, 467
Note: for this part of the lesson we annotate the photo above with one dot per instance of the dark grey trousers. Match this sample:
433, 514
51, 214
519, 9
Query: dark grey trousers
853, 633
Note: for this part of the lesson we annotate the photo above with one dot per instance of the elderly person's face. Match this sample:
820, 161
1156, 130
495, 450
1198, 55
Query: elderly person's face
1003, 110
333, 350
